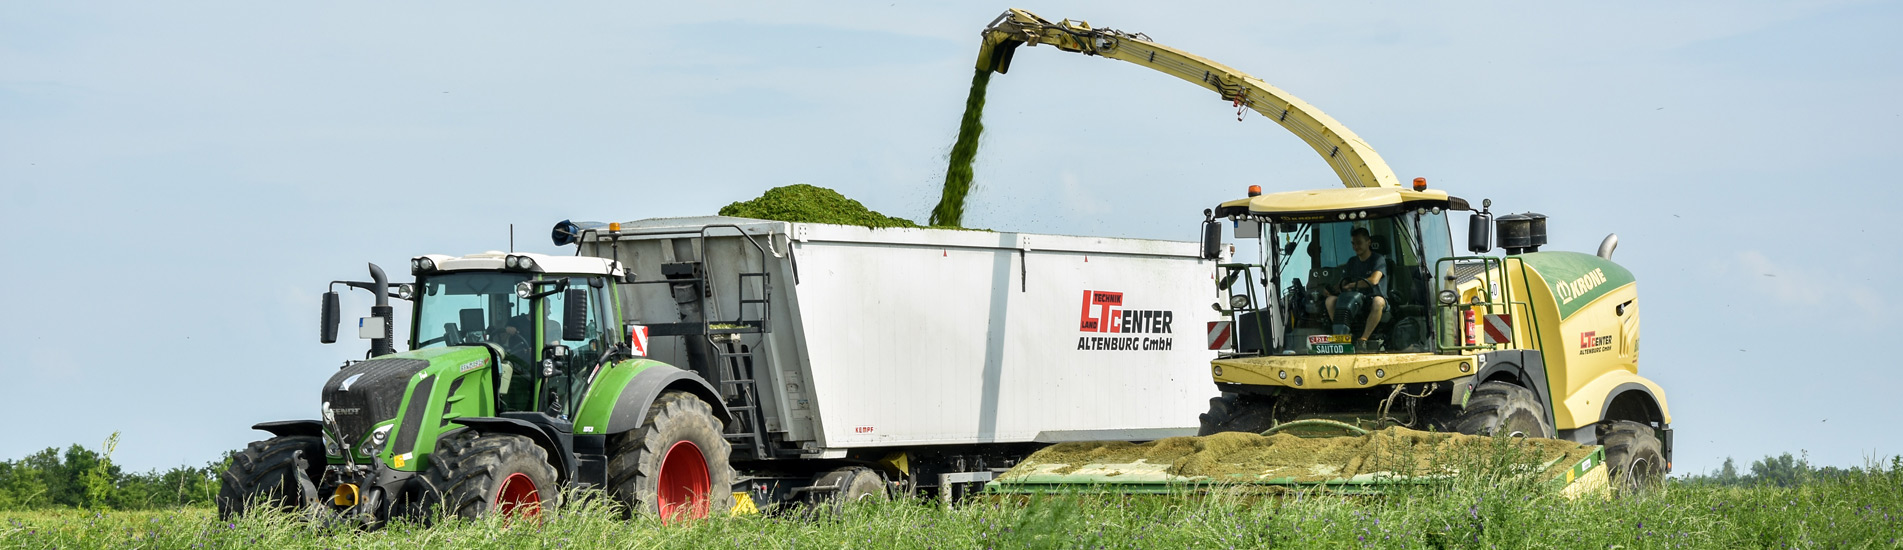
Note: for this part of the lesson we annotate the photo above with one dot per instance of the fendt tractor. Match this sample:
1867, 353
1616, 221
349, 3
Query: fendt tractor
751, 364
1358, 311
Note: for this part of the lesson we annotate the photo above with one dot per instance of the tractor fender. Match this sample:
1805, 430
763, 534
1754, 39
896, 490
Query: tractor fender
544, 436
284, 428
1524, 368
1617, 395
631, 404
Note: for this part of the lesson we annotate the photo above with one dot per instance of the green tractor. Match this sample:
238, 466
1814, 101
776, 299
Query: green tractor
519, 383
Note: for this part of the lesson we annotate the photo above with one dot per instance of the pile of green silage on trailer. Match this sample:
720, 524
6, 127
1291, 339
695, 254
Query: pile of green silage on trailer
802, 203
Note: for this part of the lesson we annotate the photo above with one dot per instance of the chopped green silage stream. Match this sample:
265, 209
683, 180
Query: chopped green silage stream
950, 211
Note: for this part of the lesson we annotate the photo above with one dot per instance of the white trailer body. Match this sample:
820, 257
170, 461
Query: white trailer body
907, 337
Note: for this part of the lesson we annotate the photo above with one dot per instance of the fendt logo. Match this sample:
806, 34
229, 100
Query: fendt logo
1103, 312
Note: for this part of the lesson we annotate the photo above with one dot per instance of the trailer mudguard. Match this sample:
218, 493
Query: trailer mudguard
284, 428
544, 435
618, 401
1616, 395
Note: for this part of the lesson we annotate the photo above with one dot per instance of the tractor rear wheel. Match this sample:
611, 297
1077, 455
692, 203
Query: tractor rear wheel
675, 465
277, 473
1634, 454
477, 474
1237, 413
854, 483
1500, 408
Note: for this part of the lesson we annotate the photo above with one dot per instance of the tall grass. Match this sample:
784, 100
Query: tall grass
1477, 510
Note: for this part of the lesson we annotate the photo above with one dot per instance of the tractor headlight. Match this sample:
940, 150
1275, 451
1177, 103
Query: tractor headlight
420, 265
330, 447
373, 444
406, 291
1448, 297
519, 263
523, 290
1238, 301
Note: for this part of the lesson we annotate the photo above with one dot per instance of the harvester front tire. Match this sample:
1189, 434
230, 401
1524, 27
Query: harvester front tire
1634, 454
477, 474
277, 473
675, 465
1237, 413
1500, 408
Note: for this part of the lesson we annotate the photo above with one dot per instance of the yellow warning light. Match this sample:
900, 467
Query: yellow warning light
614, 226
1420, 184
1255, 190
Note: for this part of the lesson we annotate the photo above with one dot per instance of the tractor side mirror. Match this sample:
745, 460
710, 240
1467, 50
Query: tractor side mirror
575, 315
329, 318
1212, 240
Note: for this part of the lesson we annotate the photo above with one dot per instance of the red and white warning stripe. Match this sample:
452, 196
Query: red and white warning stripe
1500, 328
1219, 334
638, 340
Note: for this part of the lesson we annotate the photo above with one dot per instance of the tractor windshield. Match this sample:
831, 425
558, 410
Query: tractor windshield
1358, 286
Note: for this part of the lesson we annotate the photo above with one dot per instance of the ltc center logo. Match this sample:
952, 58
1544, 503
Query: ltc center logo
1103, 313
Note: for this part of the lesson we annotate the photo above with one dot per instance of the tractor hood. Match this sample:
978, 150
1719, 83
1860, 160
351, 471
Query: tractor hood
365, 394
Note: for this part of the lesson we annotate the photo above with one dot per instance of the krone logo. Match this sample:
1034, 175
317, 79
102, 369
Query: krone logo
1329, 372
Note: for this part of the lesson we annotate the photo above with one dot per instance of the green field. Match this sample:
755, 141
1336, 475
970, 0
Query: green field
1861, 510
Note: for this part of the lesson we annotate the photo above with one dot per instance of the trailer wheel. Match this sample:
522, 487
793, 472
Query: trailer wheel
855, 483
277, 473
675, 465
1237, 413
477, 474
1634, 454
1500, 408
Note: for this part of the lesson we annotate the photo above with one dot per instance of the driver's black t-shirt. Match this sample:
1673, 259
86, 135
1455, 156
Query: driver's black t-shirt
1357, 269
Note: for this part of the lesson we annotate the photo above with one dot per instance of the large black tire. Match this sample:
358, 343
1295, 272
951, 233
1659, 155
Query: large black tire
476, 474
1634, 454
1237, 413
675, 465
279, 473
1500, 408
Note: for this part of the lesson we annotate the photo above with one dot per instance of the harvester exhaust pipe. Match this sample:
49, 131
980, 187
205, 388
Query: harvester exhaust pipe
380, 285
1606, 246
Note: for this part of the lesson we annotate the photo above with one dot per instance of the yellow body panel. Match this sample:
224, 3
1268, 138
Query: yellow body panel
1584, 405
1339, 199
1323, 372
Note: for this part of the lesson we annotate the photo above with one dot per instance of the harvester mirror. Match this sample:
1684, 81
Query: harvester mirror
1480, 233
1212, 240
329, 318
575, 315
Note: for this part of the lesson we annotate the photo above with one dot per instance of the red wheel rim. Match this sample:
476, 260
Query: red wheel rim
684, 483
518, 497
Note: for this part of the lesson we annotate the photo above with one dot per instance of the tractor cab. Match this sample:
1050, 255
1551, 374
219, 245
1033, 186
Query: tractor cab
549, 320
1334, 271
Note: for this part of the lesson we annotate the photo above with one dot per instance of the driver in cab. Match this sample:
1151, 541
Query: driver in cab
1363, 282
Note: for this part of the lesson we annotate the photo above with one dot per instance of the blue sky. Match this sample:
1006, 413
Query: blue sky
190, 175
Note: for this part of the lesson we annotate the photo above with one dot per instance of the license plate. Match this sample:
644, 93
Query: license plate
1331, 348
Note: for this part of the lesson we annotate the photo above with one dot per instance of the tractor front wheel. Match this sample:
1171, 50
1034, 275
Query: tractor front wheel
277, 473
1635, 455
1500, 408
478, 474
674, 465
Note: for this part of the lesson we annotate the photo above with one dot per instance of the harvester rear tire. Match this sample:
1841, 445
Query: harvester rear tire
1634, 454
1237, 413
1500, 408
675, 465
277, 473
477, 474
